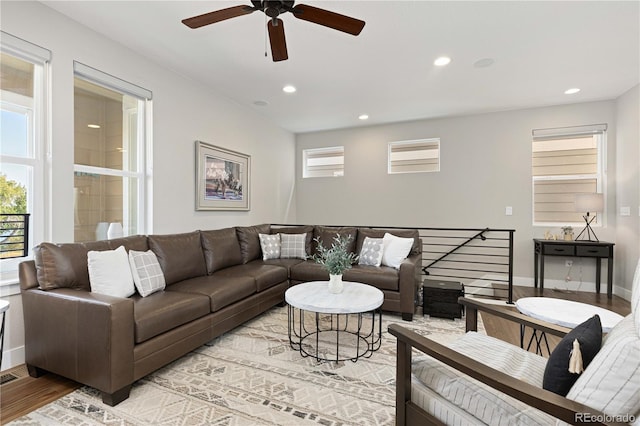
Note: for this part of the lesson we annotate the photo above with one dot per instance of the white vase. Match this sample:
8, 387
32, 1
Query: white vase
335, 284
101, 231
115, 230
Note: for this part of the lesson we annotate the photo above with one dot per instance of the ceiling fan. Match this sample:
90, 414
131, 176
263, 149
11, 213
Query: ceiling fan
275, 26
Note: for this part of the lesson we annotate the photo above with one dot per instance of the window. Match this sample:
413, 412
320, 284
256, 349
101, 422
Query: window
323, 162
414, 156
23, 87
109, 154
566, 162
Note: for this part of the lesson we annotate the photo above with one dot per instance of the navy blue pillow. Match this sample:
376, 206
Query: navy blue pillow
557, 378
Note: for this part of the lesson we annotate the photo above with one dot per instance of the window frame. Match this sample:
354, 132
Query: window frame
599, 132
38, 151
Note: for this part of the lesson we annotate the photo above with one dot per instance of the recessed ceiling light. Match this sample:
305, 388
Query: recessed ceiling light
93, 126
571, 91
289, 89
442, 61
363, 117
483, 63
261, 103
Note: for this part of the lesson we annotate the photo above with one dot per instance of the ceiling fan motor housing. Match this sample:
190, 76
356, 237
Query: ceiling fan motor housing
273, 8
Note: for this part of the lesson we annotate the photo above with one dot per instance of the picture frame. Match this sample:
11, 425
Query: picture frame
222, 178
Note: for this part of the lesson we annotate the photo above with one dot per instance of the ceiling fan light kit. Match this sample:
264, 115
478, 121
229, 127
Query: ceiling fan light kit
275, 26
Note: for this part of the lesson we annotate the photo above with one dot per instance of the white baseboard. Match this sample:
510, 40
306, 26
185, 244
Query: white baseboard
12, 358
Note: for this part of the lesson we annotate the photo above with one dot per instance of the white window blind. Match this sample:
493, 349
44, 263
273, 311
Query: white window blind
414, 156
565, 162
323, 162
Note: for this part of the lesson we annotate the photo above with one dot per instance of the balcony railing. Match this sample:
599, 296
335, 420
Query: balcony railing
14, 235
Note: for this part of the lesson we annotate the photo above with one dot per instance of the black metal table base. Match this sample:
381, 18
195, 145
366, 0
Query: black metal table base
321, 334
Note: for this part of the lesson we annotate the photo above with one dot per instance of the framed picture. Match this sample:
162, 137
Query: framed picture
222, 178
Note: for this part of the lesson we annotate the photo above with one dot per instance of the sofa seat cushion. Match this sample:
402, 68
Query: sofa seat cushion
382, 277
308, 270
165, 310
266, 275
487, 405
222, 288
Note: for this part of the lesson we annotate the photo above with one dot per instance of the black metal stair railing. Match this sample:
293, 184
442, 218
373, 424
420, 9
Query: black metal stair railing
14, 235
482, 259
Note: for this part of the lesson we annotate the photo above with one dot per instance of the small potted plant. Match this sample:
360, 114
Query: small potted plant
567, 231
335, 260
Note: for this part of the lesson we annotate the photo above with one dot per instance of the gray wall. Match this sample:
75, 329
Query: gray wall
628, 184
485, 166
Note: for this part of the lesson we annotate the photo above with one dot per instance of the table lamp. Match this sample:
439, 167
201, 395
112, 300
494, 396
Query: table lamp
589, 203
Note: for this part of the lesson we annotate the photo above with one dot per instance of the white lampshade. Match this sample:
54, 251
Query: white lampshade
593, 202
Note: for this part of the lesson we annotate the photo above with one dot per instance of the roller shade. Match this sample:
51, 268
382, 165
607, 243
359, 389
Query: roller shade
414, 156
323, 162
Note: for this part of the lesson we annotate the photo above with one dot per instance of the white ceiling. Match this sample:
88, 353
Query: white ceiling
540, 49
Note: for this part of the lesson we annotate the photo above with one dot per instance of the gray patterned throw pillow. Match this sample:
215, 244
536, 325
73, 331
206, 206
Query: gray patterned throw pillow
293, 246
371, 253
270, 244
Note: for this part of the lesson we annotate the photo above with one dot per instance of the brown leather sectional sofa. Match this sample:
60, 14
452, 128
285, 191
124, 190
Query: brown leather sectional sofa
215, 281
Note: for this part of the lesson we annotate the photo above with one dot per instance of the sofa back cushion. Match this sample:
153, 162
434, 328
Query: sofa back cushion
326, 234
379, 233
180, 255
221, 249
250, 241
62, 265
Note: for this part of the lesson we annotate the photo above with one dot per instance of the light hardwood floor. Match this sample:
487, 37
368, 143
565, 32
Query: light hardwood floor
21, 396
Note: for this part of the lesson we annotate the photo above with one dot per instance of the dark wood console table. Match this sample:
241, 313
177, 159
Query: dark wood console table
596, 249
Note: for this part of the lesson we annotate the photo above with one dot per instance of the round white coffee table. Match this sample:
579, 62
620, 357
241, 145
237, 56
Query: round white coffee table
565, 313
319, 321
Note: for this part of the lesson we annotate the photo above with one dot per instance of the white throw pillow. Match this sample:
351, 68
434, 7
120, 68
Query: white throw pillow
293, 246
270, 245
371, 252
147, 274
109, 272
396, 249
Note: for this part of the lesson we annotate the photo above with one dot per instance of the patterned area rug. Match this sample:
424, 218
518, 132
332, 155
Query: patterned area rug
251, 376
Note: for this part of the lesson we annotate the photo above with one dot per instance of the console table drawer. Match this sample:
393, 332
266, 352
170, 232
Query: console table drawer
592, 251
559, 250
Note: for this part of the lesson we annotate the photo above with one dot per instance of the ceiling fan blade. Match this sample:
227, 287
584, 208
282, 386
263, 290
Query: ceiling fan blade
277, 40
217, 16
328, 19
